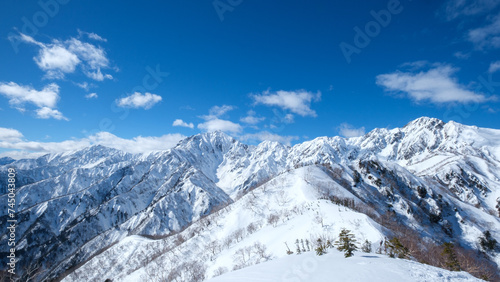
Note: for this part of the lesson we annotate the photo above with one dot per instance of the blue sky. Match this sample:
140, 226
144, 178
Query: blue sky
141, 75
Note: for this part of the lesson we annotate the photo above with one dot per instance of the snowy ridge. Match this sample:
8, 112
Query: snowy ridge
440, 179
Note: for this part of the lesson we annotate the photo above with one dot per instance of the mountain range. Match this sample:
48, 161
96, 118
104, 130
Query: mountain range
215, 204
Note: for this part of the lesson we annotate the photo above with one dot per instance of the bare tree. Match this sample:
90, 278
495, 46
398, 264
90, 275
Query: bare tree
273, 219
238, 234
220, 270
260, 250
227, 242
194, 271
252, 227
213, 247
282, 198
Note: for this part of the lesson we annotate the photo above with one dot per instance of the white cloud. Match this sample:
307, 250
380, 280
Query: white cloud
10, 135
97, 75
91, 96
251, 118
494, 67
215, 124
12, 139
436, 85
349, 131
46, 113
461, 55
218, 111
56, 60
267, 136
298, 102
289, 118
59, 58
45, 99
486, 36
20, 94
138, 100
457, 8
91, 35
84, 85
137, 144
180, 122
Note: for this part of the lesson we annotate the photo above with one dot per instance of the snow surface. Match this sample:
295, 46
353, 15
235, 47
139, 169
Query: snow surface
334, 267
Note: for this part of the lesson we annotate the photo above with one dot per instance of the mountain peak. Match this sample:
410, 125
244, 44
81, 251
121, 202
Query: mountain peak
427, 122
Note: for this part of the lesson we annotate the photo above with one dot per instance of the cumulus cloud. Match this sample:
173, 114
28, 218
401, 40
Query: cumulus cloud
59, 58
91, 96
456, 8
21, 94
267, 136
10, 135
46, 113
180, 122
436, 85
216, 124
298, 102
13, 140
251, 118
348, 131
487, 36
138, 100
45, 99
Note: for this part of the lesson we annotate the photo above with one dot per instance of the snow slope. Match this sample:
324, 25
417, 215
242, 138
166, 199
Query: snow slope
334, 267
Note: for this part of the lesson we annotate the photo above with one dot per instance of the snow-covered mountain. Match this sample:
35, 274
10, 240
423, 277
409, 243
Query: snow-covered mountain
100, 212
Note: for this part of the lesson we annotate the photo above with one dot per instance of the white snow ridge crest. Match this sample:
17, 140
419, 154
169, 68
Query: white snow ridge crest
213, 206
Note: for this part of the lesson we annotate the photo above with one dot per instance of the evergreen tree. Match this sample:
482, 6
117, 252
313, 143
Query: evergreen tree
346, 243
321, 248
329, 244
451, 257
367, 247
487, 242
308, 246
394, 248
303, 247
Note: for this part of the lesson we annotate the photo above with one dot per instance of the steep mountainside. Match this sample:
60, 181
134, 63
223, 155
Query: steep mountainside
76, 209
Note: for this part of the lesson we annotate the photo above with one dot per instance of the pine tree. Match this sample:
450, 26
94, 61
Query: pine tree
346, 243
450, 257
394, 248
329, 244
303, 247
487, 242
308, 246
321, 248
367, 247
